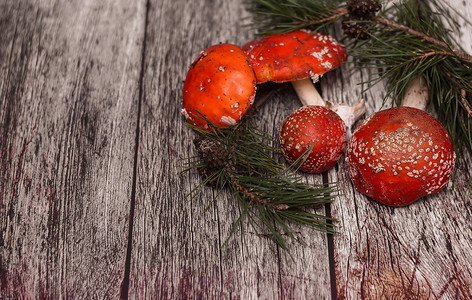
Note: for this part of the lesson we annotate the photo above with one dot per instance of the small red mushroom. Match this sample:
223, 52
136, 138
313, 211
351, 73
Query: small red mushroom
296, 57
220, 85
400, 154
316, 133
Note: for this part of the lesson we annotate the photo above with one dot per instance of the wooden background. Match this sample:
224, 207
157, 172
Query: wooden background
92, 202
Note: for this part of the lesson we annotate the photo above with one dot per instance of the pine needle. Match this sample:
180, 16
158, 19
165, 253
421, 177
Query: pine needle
408, 39
271, 197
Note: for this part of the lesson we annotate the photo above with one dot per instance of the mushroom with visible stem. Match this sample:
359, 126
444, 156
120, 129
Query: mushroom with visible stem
301, 57
220, 87
401, 154
309, 95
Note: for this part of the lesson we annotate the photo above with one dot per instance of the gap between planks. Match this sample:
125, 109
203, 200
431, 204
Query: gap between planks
129, 249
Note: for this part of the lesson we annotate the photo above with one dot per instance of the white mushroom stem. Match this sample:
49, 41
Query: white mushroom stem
417, 94
308, 95
349, 114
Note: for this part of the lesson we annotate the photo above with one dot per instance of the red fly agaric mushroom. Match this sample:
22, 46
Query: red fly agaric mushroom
296, 57
220, 85
314, 134
400, 154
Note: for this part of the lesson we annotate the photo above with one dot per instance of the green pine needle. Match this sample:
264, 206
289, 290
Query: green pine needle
271, 197
272, 16
404, 57
408, 39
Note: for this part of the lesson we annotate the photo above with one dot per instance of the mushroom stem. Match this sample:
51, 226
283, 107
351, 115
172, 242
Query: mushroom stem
307, 93
349, 114
416, 94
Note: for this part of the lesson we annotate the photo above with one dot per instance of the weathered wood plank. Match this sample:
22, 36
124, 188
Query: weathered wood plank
303, 271
414, 252
176, 247
69, 92
69, 89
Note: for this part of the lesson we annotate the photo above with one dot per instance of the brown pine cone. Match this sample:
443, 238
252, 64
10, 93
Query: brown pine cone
363, 8
211, 152
354, 30
206, 172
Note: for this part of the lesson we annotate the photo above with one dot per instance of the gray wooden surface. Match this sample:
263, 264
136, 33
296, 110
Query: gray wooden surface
92, 202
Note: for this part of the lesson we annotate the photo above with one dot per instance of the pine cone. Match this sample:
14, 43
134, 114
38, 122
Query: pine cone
211, 152
363, 8
354, 30
206, 172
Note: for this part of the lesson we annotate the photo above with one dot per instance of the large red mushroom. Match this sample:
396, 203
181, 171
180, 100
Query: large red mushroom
401, 154
220, 86
301, 57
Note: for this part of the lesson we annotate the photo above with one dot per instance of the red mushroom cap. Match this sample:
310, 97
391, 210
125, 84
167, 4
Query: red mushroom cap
220, 84
317, 127
399, 155
293, 56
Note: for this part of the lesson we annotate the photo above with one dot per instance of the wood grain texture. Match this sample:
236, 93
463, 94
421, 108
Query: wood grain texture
69, 91
177, 248
305, 270
91, 135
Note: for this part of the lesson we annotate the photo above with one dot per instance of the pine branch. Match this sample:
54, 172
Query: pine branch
336, 14
464, 102
271, 196
273, 16
447, 70
254, 197
423, 36
409, 39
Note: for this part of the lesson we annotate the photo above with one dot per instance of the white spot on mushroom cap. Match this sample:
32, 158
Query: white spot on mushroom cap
320, 55
252, 98
314, 77
327, 65
185, 113
302, 130
228, 120
402, 154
